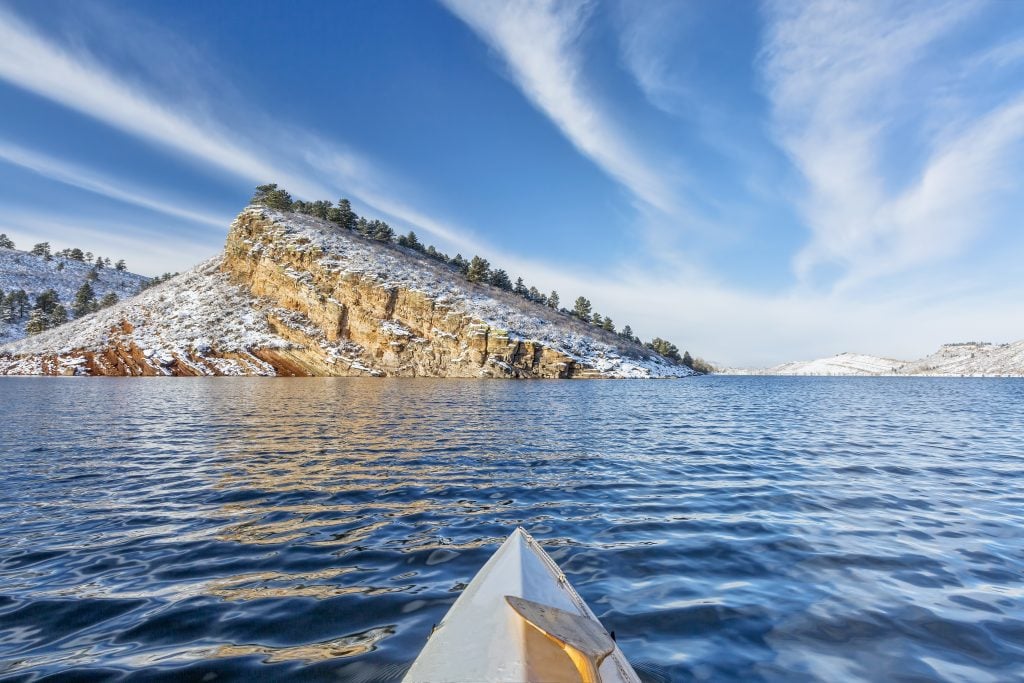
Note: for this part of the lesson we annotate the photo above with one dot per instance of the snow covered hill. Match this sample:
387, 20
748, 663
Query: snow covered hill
20, 270
295, 295
970, 359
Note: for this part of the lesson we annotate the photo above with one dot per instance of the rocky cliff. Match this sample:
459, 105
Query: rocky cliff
293, 295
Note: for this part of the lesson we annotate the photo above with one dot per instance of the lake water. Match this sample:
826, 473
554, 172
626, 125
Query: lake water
726, 528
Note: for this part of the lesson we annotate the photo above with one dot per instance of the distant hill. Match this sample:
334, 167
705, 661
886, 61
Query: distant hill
22, 271
967, 359
293, 294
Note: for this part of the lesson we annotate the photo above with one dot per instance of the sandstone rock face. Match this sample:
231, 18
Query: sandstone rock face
295, 296
400, 332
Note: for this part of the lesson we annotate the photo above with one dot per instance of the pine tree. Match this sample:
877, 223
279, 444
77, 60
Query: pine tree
120, 266
461, 264
499, 278
381, 231
58, 316
106, 262
412, 242
42, 249
553, 299
109, 299
345, 216
20, 302
46, 301
76, 254
5, 242
520, 287
36, 323
597, 318
88, 256
99, 263
664, 348
479, 270
85, 300
272, 197
581, 309
608, 324
688, 360
627, 332
363, 226
533, 294
321, 208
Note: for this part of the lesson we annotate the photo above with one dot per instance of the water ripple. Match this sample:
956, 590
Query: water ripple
727, 529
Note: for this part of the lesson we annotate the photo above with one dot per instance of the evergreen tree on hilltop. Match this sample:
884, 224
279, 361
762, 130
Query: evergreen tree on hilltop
85, 300
596, 318
109, 299
120, 266
499, 278
363, 226
520, 288
479, 270
534, 294
581, 309
688, 360
5, 241
36, 323
608, 324
412, 241
461, 264
627, 332
321, 208
76, 254
99, 263
42, 249
664, 348
272, 197
344, 215
381, 231
553, 300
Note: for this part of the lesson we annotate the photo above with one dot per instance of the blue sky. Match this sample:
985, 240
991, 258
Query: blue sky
756, 181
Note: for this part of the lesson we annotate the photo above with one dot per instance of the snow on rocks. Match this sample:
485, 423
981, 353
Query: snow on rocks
345, 252
189, 315
35, 275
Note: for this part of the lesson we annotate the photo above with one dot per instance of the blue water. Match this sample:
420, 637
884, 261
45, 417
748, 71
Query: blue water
726, 528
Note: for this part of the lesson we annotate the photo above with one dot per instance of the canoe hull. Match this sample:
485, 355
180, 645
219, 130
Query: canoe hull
482, 639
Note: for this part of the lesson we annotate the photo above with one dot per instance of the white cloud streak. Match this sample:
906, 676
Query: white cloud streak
87, 179
537, 40
836, 74
294, 159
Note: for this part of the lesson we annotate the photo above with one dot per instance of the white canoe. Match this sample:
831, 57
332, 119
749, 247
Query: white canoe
545, 632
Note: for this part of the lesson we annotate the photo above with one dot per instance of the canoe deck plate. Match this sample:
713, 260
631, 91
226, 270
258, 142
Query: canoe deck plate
583, 639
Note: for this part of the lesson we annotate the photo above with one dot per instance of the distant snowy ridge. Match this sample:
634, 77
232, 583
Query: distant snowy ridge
969, 359
297, 295
20, 270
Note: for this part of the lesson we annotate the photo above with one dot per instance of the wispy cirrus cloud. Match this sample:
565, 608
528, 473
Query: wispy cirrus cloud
650, 33
539, 42
292, 157
841, 79
89, 179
